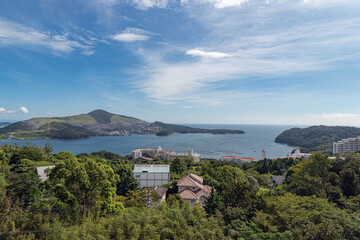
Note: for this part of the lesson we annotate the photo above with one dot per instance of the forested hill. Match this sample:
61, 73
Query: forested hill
167, 129
316, 138
95, 123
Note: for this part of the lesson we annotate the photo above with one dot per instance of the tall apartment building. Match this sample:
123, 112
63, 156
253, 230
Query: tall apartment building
345, 145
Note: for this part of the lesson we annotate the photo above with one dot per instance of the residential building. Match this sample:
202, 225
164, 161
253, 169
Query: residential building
161, 194
42, 172
345, 145
239, 160
192, 190
152, 175
164, 154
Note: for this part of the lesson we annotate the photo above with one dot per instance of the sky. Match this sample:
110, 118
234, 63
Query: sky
183, 61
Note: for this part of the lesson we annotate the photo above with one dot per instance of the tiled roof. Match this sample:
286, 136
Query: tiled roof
160, 191
188, 194
196, 178
187, 181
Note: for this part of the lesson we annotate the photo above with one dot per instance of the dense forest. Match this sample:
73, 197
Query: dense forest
316, 138
95, 196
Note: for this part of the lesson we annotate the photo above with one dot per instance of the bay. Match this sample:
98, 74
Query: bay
250, 144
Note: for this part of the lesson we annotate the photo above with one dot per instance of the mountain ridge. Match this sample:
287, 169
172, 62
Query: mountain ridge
96, 123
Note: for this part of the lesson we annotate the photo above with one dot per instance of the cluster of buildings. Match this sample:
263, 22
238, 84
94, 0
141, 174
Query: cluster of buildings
190, 187
297, 154
345, 145
164, 154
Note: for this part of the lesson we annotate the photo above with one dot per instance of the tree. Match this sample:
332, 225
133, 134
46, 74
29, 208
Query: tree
127, 181
86, 179
177, 166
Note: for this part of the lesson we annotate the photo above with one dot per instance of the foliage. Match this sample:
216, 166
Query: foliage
316, 138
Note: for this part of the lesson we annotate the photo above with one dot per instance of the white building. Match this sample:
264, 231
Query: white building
345, 145
297, 154
152, 175
239, 160
43, 172
164, 154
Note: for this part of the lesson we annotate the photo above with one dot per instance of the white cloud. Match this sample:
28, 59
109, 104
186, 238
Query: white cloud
132, 35
336, 116
12, 33
20, 110
23, 110
273, 46
200, 53
146, 4
217, 3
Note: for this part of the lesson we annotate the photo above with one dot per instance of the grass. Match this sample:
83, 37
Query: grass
117, 118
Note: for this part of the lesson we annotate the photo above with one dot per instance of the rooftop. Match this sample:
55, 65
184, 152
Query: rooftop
152, 168
242, 158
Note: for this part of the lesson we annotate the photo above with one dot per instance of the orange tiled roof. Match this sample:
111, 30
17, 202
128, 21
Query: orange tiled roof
188, 181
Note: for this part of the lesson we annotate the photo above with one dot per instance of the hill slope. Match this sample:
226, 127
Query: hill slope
95, 123
316, 138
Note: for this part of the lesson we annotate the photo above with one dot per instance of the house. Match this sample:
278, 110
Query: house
192, 190
152, 175
161, 194
42, 172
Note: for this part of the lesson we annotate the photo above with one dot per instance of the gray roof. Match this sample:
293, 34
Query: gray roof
278, 179
152, 168
41, 172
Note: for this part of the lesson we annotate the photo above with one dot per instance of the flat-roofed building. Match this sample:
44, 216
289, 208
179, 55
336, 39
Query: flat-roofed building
346, 145
152, 175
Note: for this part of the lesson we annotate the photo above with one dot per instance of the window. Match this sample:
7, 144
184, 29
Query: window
192, 200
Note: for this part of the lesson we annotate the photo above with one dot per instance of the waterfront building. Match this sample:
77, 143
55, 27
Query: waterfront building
164, 154
297, 154
239, 160
152, 175
192, 190
345, 145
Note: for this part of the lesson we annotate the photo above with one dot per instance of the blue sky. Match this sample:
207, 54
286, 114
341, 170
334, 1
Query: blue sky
183, 61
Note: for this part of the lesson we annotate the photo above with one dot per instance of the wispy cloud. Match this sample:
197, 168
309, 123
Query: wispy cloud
201, 53
216, 3
146, 4
270, 48
12, 33
336, 116
132, 35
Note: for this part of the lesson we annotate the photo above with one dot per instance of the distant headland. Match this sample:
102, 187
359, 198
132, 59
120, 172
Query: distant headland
95, 123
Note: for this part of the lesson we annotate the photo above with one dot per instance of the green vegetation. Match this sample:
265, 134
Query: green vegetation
95, 196
167, 129
316, 138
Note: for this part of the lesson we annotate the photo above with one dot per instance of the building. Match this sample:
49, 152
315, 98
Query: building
42, 172
277, 180
164, 154
239, 160
192, 190
345, 145
152, 175
161, 194
297, 154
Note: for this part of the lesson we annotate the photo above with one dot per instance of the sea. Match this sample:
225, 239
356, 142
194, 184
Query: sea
250, 144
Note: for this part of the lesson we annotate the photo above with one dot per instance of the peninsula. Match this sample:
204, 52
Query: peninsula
95, 123
316, 138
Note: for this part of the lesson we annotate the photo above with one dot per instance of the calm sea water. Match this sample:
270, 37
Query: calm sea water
250, 144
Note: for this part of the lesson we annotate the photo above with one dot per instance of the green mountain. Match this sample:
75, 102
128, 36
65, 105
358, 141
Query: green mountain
316, 138
167, 129
95, 123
